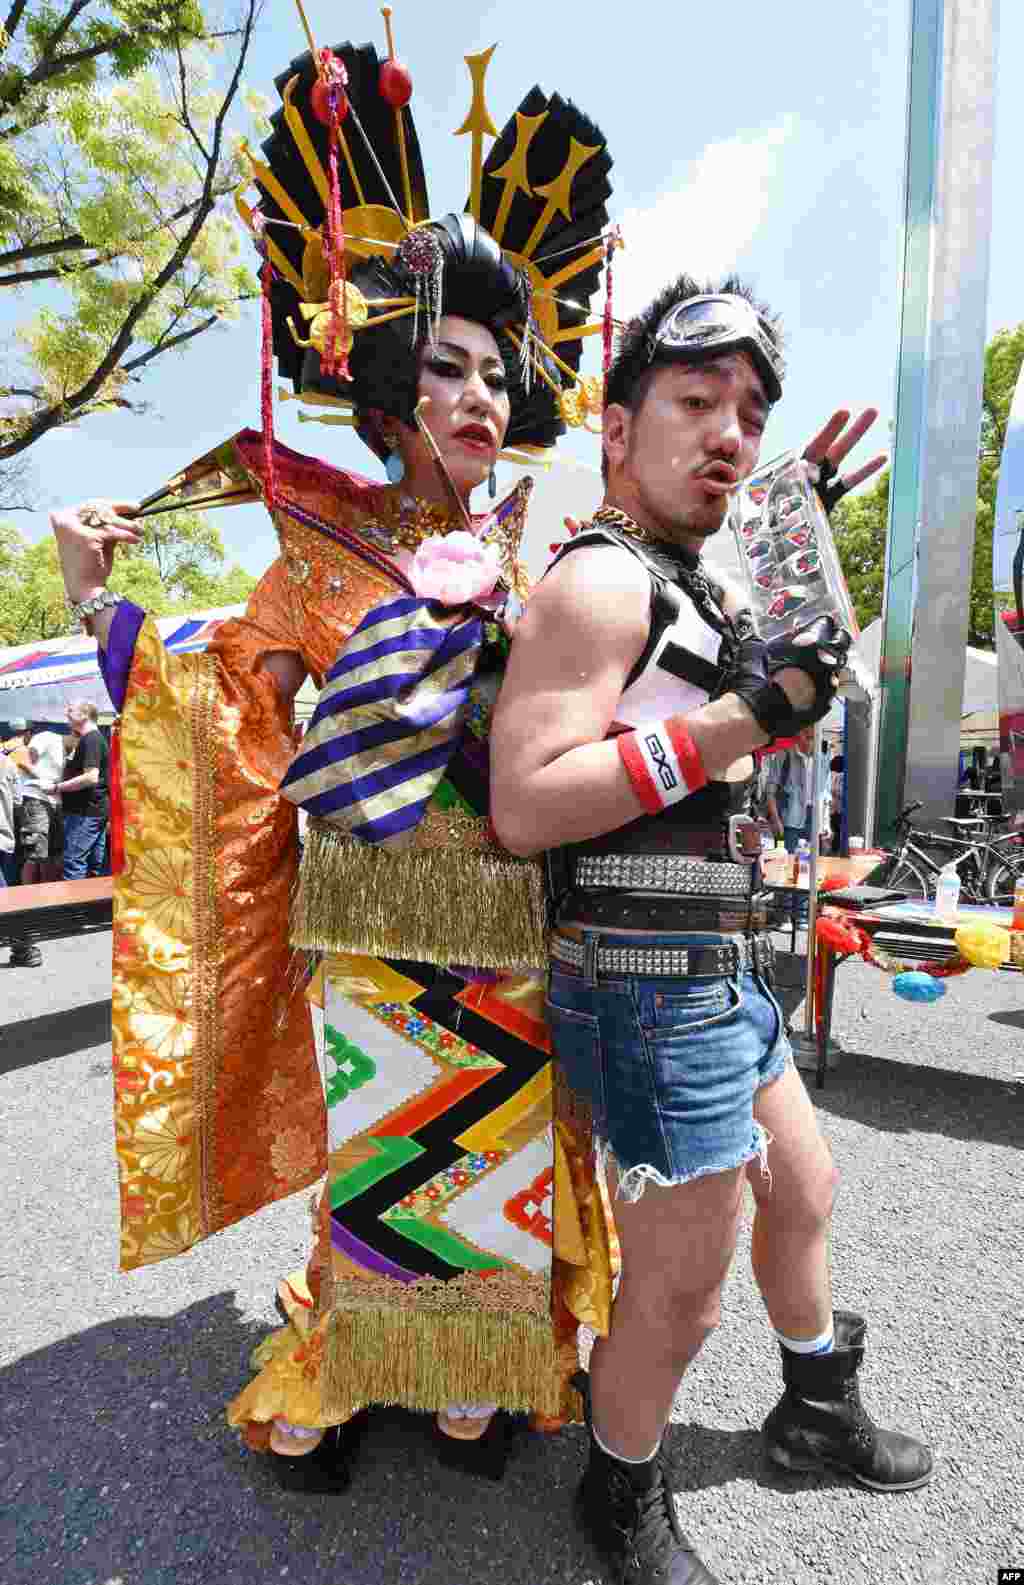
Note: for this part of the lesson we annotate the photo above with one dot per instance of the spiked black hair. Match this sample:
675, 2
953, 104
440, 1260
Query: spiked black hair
632, 362
632, 367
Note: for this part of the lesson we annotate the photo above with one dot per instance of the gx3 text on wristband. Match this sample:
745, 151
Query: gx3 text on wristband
663, 762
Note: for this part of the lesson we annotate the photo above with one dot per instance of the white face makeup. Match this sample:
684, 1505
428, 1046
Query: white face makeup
463, 374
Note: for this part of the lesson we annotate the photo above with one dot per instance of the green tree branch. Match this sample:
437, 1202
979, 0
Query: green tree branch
860, 522
115, 313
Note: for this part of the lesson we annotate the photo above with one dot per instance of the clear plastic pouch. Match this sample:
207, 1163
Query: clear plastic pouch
787, 551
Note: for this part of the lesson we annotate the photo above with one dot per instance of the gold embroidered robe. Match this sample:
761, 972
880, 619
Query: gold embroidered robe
218, 1103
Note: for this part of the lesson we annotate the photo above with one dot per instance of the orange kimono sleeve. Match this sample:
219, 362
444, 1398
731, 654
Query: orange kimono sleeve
219, 1106
218, 1101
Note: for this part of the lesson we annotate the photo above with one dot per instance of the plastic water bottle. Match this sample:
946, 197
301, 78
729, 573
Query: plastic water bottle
803, 864
947, 893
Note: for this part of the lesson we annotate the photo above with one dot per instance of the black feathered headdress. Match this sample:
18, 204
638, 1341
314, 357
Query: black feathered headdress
357, 273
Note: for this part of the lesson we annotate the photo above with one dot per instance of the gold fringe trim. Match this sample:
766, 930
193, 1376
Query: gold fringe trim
207, 927
425, 1360
460, 900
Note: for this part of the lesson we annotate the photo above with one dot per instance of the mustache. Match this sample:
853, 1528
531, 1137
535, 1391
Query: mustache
718, 469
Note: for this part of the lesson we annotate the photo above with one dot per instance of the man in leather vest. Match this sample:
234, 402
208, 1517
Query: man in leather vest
636, 693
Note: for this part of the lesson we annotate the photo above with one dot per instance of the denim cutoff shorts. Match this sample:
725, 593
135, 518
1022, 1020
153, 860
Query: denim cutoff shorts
670, 1065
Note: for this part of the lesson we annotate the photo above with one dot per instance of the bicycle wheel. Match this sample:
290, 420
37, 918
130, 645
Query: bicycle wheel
1001, 880
906, 877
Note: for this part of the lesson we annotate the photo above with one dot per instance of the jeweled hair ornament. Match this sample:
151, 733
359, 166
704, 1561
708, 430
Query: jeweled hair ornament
349, 246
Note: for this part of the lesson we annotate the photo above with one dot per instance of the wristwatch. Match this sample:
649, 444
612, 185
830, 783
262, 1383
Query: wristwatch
80, 609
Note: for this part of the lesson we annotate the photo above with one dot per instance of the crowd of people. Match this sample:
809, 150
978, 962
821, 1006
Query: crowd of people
54, 807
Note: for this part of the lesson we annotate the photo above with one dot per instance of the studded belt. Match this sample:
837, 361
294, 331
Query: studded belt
732, 955
661, 872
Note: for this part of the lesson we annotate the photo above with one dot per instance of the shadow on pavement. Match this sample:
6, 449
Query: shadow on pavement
1013, 1020
898, 1097
701, 1456
118, 1465
33, 1040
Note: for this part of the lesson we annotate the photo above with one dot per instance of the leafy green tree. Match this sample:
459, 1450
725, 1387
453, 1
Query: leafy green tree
32, 600
860, 522
115, 164
179, 567
1003, 358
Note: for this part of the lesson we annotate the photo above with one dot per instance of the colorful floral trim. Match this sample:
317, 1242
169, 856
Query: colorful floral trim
440, 1042
428, 1199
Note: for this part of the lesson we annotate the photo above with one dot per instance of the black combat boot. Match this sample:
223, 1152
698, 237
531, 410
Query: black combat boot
25, 955
820, 1422
628, 1512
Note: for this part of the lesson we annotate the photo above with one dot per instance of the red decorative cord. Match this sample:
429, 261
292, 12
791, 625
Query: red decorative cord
267, 388
845, 938
945, 971
607, 326
116, 802
335, 357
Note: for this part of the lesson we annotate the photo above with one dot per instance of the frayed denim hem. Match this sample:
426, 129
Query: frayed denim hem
633, 1181
781, 1065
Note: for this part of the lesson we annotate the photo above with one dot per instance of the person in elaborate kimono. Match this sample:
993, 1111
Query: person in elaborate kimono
442, 1278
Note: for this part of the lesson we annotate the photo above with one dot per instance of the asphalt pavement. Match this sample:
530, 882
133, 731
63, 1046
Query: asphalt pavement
116, 1466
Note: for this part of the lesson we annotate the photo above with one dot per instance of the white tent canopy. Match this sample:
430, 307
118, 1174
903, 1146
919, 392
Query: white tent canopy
39, 680
981, 694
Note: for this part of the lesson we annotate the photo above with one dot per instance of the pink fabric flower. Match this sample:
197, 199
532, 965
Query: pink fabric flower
454, 568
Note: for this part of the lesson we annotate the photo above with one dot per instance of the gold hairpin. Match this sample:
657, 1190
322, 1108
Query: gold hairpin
439, 462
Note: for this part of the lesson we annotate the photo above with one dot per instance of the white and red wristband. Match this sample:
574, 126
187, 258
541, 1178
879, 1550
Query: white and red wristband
663, 762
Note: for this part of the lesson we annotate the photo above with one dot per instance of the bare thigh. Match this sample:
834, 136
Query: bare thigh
802, 1176
678, 1242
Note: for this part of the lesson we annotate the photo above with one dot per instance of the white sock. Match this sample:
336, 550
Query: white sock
621, 1456
824, 1343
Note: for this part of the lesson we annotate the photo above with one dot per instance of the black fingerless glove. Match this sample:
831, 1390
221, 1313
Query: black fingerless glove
820, 649
748, 677
830, 487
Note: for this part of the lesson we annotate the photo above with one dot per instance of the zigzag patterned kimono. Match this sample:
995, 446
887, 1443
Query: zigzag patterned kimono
466, 1237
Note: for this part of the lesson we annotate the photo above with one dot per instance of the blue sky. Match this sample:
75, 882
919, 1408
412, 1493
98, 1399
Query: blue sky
773, 146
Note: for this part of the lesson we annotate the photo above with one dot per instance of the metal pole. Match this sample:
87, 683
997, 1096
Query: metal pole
933, 488
812, 884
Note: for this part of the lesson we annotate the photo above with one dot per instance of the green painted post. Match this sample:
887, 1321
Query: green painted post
933, 493
924, 75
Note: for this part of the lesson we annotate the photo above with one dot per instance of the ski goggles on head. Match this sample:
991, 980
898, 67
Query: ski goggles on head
704, 327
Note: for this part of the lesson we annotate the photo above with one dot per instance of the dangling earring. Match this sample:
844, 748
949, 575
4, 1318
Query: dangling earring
492, 485
395, 467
